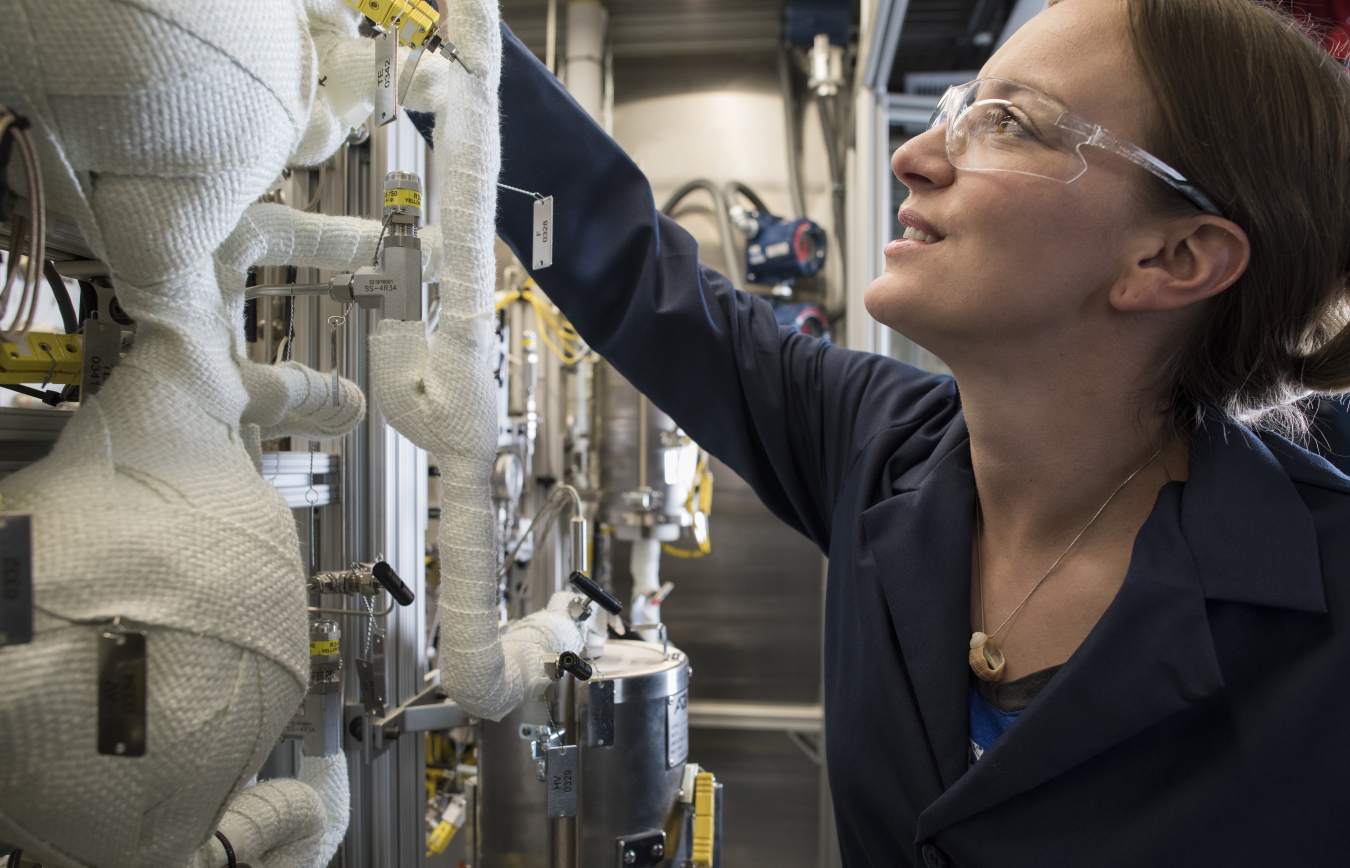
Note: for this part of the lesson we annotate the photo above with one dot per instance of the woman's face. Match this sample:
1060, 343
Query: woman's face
1022, 261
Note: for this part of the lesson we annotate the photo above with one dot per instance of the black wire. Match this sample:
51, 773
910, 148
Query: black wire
14, 861
48, 397
229, 851
738, 187
68, 318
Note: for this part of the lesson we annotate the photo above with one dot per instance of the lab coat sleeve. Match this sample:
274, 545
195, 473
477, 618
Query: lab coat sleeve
786, 412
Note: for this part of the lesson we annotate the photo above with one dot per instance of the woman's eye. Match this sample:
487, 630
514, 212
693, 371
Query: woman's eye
1008, 124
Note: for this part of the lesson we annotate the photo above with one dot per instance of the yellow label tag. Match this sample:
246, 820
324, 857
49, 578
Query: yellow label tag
324, 648
397, 196
440, 837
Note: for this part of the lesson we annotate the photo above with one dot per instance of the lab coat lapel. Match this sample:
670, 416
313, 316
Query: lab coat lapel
919, 540
1238, 531
1150, 656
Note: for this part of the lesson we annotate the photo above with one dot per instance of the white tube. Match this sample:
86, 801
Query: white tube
286, 823
439, 393
291, 400
645, 565
148, 507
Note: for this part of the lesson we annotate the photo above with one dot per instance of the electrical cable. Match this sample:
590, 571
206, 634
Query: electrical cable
723, 223
548, 513
790, 130
58, 285
569, 347
734, 187
16, 129
48, 397
318, 188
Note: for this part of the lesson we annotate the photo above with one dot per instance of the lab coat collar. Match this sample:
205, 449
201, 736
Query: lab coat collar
1236, 530
1251, 534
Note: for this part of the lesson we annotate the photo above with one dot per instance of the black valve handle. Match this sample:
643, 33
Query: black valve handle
570, 661
597, 594
385, 575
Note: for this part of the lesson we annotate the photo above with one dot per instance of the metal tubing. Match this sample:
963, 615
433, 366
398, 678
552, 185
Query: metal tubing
287, 289
564, 831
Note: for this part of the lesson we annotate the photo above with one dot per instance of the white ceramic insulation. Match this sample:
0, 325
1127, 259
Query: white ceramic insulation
291, 400
286, 823
345, 70
148, 507
645, 565
439, 392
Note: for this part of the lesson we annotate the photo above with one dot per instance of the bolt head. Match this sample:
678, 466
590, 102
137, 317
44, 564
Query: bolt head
658, 850
629, 857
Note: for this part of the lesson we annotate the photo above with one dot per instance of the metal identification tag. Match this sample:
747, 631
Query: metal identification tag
16, 579
386, 78
121, 693
370, 676
600, 714
543, 233
560, 776
102, 352
677, 729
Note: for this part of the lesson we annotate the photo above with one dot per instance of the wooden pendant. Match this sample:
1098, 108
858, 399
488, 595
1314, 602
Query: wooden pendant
986, 659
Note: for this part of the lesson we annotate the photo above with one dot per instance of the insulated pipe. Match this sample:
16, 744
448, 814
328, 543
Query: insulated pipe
148, 507
439, 393
285, 823
586, 22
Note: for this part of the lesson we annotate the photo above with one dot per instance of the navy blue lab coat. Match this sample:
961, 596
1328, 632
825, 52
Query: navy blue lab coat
1202, 722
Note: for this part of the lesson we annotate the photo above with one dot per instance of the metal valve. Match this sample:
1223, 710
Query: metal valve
363, 579
598, 595
570, 661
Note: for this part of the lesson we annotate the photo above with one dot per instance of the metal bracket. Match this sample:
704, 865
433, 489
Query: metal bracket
428, 711
644, 850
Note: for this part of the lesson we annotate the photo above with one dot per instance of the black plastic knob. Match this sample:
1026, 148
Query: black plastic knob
385, 575
598, 595
570, 661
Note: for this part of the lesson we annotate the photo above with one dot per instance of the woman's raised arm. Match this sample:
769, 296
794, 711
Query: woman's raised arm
787, 412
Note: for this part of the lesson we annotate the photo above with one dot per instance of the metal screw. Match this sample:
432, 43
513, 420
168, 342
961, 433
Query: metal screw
658, 851
629, 857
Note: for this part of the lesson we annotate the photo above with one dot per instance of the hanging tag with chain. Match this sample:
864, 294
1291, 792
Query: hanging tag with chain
541, 256
334, 322
370, 668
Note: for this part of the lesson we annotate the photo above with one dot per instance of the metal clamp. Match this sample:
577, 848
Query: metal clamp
428, 711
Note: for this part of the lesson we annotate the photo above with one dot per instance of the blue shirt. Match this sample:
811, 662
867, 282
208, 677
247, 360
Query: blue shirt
987, 723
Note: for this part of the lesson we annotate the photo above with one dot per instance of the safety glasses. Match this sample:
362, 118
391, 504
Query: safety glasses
996, 125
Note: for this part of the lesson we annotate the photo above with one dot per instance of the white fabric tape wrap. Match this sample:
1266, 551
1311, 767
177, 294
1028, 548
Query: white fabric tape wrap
286, 823
148, 507
439, 392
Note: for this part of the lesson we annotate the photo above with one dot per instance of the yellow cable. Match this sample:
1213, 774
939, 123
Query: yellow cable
569, 347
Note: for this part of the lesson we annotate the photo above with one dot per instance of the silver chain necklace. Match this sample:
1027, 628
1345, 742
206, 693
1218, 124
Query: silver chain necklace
986, 658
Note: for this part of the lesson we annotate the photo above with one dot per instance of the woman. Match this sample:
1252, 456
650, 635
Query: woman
1118, 289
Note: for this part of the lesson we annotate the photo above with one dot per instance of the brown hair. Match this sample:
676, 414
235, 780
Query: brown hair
1253, 111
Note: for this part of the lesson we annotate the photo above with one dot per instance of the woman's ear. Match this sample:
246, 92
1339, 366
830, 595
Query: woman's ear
1182, 262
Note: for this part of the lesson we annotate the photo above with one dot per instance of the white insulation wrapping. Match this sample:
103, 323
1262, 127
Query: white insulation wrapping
439, 392
286, 823
148, 507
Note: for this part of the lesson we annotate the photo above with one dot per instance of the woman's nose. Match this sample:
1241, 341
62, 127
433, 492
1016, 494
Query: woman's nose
922, 161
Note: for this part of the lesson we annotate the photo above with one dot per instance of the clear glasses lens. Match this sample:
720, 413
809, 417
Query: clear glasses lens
999, 126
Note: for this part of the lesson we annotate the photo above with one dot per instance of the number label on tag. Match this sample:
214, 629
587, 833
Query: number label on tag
386, 78
102, 351
543, 233
560, 776
121, 693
